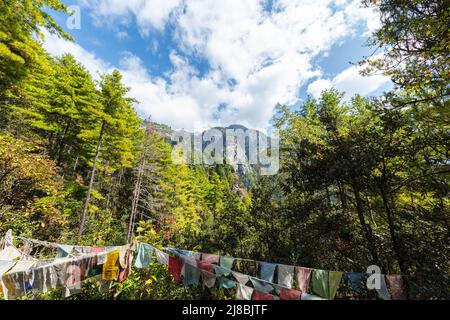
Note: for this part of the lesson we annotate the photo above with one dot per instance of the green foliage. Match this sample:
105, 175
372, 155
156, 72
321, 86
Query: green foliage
362, 182
353, 185
414, 35
20, 51
29, 189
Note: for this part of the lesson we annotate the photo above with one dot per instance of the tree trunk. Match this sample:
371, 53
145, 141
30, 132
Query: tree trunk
395, 240
136, 196
342, 196
367, 231
50, 142
62, 142
391, 224
76, 163
91, 182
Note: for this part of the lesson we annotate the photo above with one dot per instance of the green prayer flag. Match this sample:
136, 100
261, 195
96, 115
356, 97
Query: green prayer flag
191, 275
320, 283
226, 283
144, 255
334, 281
221, 271
226, 262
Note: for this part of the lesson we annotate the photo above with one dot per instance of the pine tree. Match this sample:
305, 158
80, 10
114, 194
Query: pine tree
116, 127
20, 52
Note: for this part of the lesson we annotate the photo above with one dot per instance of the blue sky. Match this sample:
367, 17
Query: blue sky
198, 63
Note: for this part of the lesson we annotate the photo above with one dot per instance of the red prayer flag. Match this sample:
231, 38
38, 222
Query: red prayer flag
257, 295
290, 294
205, 265
175, 266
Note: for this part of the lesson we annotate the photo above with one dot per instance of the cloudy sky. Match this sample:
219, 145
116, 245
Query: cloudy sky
194, 64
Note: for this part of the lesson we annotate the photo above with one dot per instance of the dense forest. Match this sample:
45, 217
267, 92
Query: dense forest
361, 182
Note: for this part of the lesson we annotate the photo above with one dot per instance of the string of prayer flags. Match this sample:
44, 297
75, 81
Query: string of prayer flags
267, 271
285, 275
143, 256
114, 264
111, 266
324, 283
44, 275
303, 278
354, 279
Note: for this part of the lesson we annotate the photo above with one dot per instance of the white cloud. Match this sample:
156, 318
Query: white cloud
351, 82
315, 88
166, 104
122, 35
58, 46
147, 13
257, 58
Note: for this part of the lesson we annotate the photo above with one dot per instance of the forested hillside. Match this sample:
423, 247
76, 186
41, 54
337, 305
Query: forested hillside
361, 182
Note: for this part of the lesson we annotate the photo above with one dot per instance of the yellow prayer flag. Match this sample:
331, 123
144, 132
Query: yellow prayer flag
111, 266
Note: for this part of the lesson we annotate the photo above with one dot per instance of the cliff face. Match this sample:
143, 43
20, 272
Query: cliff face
240, 150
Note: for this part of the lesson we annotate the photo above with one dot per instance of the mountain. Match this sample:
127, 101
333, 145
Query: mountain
238, 145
